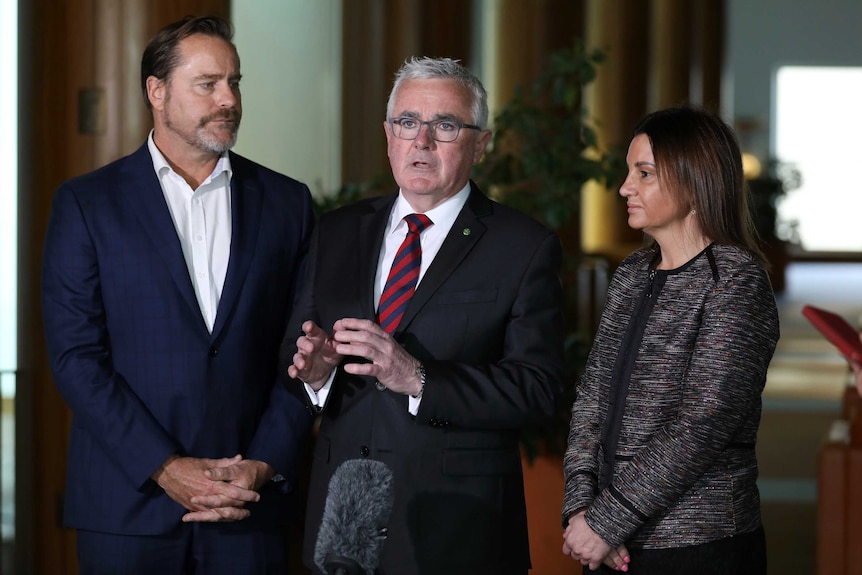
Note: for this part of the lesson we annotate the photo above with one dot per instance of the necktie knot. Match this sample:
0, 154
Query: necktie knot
416, 223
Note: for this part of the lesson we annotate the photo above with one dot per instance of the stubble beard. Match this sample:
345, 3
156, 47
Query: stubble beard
205, 140
209, 141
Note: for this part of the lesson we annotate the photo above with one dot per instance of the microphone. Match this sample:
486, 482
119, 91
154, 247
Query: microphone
353, 527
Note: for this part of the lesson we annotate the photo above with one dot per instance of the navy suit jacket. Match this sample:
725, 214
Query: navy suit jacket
133, 358
486, 321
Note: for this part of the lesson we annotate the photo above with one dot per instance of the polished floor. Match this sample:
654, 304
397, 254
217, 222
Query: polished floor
802, 400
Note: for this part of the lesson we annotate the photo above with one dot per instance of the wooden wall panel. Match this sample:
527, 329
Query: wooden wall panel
709, 30
49, 147
378, 35
445, 29
365, 80
527, 33
671, 52
162, 12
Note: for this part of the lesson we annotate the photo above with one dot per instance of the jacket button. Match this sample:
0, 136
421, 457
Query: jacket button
433, 422
379, 386
364, 451
213, 351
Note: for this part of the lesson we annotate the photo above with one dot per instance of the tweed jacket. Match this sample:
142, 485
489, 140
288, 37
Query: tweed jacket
685, 468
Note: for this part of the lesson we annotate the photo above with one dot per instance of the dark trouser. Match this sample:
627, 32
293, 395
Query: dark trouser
739, 555
193, 549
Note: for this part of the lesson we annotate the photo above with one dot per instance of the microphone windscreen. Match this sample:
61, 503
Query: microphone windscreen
356, 514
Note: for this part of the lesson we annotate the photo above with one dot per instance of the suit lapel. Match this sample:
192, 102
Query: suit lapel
465, 233
246, 200
144, 193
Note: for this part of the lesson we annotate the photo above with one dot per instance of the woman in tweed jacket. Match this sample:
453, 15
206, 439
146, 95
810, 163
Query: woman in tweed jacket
660, 468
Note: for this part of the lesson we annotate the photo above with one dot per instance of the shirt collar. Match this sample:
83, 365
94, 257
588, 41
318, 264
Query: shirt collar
161, 165
442, 215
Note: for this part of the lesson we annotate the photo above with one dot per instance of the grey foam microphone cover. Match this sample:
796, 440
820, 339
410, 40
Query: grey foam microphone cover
354, 523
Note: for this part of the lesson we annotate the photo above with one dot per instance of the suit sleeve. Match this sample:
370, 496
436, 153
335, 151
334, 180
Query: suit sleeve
303, 311
285, 425
79, 348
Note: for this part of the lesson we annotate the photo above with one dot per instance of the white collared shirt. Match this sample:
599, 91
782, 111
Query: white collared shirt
202, 219
430, 239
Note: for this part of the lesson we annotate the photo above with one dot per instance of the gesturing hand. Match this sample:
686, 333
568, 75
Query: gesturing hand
387, 360
315, 356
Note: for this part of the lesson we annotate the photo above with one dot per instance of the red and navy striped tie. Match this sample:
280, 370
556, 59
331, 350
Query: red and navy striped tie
403, 275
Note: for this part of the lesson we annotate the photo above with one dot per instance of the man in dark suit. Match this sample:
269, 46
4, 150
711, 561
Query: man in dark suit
168, 278
442, 394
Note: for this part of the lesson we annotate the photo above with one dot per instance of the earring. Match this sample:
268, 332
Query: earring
693, 211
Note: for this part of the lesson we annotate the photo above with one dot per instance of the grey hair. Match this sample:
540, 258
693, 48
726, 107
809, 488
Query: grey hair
445, 69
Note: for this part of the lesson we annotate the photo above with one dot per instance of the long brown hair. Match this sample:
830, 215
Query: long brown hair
699, 163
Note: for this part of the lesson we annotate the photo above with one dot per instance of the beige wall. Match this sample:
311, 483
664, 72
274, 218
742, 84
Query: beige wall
290, 52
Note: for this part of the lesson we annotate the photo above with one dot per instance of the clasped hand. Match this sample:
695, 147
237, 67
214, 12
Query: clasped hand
213, 490
584, 545
318, 353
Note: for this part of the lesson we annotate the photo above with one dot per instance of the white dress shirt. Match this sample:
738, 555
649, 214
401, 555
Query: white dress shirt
202, 218
430, 239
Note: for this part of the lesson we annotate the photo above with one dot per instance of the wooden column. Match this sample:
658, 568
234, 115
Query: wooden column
364, 81
708, 48
617, 100
527, 32
670, 52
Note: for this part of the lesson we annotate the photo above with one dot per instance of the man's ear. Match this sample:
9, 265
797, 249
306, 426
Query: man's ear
482, 142
156, 91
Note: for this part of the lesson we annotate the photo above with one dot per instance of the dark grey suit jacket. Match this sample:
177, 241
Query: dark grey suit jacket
486, 321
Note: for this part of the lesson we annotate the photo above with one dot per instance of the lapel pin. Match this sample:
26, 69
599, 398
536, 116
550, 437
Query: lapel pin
466, 231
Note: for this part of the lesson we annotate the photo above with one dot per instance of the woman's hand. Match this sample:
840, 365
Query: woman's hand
585, 546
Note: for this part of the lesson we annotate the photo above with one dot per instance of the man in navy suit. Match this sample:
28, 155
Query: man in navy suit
168, 279
476, 356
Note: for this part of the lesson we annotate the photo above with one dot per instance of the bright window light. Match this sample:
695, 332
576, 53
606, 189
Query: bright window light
8, 265
9, 190
818, 122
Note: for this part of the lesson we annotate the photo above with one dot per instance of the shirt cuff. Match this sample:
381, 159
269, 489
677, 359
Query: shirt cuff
318, 398
413, 404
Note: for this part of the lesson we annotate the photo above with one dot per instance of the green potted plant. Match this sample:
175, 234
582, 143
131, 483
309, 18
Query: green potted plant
543, 152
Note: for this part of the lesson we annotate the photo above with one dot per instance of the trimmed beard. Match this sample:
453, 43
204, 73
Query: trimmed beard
204, 140
209, 142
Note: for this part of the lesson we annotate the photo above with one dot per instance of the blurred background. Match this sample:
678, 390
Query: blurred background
787, 74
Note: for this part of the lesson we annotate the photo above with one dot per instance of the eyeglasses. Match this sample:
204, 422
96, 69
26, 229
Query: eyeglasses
407, 128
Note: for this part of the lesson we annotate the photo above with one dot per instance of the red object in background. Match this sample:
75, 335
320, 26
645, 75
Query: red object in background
836, 329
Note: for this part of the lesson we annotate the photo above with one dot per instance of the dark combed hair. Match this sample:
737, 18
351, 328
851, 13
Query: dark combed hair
161, 55
700, 165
